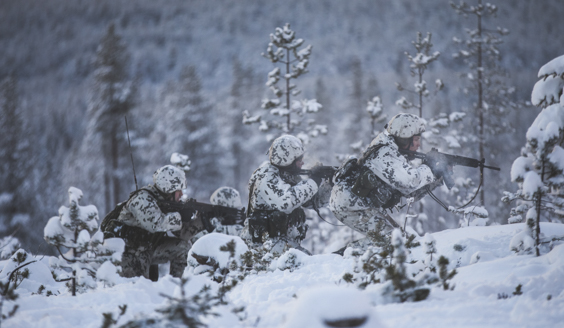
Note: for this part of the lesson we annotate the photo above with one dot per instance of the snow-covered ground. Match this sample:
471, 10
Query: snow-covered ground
488, 274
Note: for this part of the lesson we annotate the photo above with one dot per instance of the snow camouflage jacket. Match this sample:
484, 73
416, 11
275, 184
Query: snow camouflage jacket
143, 211
390, 166
272, 189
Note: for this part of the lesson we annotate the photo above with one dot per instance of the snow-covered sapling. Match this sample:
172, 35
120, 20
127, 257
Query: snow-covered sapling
8, 246
13, 276
109, 317
404, 288
76, 229
284, 50
539, 171
430, 248
444, 275
181, 310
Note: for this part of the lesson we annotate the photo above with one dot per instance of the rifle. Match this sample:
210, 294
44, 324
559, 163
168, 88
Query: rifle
321, 172
228, 215
434, 158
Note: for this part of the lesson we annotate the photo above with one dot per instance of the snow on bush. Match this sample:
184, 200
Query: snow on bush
76, 230
332, 306
209, 246
8, 246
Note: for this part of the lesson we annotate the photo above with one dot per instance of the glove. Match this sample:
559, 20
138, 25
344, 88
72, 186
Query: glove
316, 174
440, 167
437, 165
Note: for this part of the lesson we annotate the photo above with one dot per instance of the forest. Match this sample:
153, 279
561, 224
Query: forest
186, 74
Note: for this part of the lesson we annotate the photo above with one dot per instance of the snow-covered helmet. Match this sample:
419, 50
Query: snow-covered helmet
169, 179
405, 126
285, 150
226, 196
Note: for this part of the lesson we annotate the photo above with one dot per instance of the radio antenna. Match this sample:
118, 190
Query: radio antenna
131, 154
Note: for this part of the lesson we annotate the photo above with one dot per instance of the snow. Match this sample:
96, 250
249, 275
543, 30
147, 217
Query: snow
520, 166
488, 274
209, 245
532, 183
546, 127
554, 66
557, 157
332, 303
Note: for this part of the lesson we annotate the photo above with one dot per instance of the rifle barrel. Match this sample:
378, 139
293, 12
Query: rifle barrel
492, 167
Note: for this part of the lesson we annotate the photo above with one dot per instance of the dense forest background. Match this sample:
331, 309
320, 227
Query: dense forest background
183, 72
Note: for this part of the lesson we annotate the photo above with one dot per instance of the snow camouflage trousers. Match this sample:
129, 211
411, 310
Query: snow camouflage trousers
277, 224
157, 248
136, 261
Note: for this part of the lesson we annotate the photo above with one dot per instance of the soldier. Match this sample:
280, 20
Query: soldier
145, 228
228, 197
377, 181
277, 194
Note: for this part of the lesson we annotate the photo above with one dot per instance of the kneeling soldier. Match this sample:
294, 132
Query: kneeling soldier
145, 228
277, 194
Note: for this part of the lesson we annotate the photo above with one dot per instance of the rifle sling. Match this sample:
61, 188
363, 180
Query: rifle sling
443, 205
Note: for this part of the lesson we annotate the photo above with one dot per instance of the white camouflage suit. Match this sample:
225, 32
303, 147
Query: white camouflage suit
228, 197
394, 169
272, 188
154, 245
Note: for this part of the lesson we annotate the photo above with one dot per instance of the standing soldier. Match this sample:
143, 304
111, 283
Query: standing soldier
377, 181
145, 228
277, 194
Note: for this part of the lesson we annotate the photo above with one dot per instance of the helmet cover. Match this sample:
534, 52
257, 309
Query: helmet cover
226, 196
405, 125
285, 150
169, 179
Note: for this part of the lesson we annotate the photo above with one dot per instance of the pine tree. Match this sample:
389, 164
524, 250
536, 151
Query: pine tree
486, 85
442, 131
14, 161
539, 171
188, 126
114, 98
244, 93
283, 49
419, 64
403, 288
101, 160
355, 114
76, 229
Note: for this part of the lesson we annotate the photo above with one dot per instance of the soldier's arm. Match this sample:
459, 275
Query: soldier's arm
283, 197
394, 169
148, 215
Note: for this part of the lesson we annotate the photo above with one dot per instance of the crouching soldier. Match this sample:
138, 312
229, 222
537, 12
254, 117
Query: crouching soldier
146, 230
365, 188
277, 194
228, 197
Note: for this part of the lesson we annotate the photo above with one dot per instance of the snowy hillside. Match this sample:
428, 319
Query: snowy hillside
312, 291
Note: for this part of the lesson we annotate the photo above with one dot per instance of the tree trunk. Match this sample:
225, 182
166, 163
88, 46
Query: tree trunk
480, 101
115, 166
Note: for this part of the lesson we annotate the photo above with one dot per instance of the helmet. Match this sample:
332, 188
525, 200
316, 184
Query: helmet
405, 125
226, 196
285, 150
169, 179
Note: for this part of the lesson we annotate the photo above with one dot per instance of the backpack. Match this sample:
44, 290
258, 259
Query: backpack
352, 168
114, 214
365, 183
